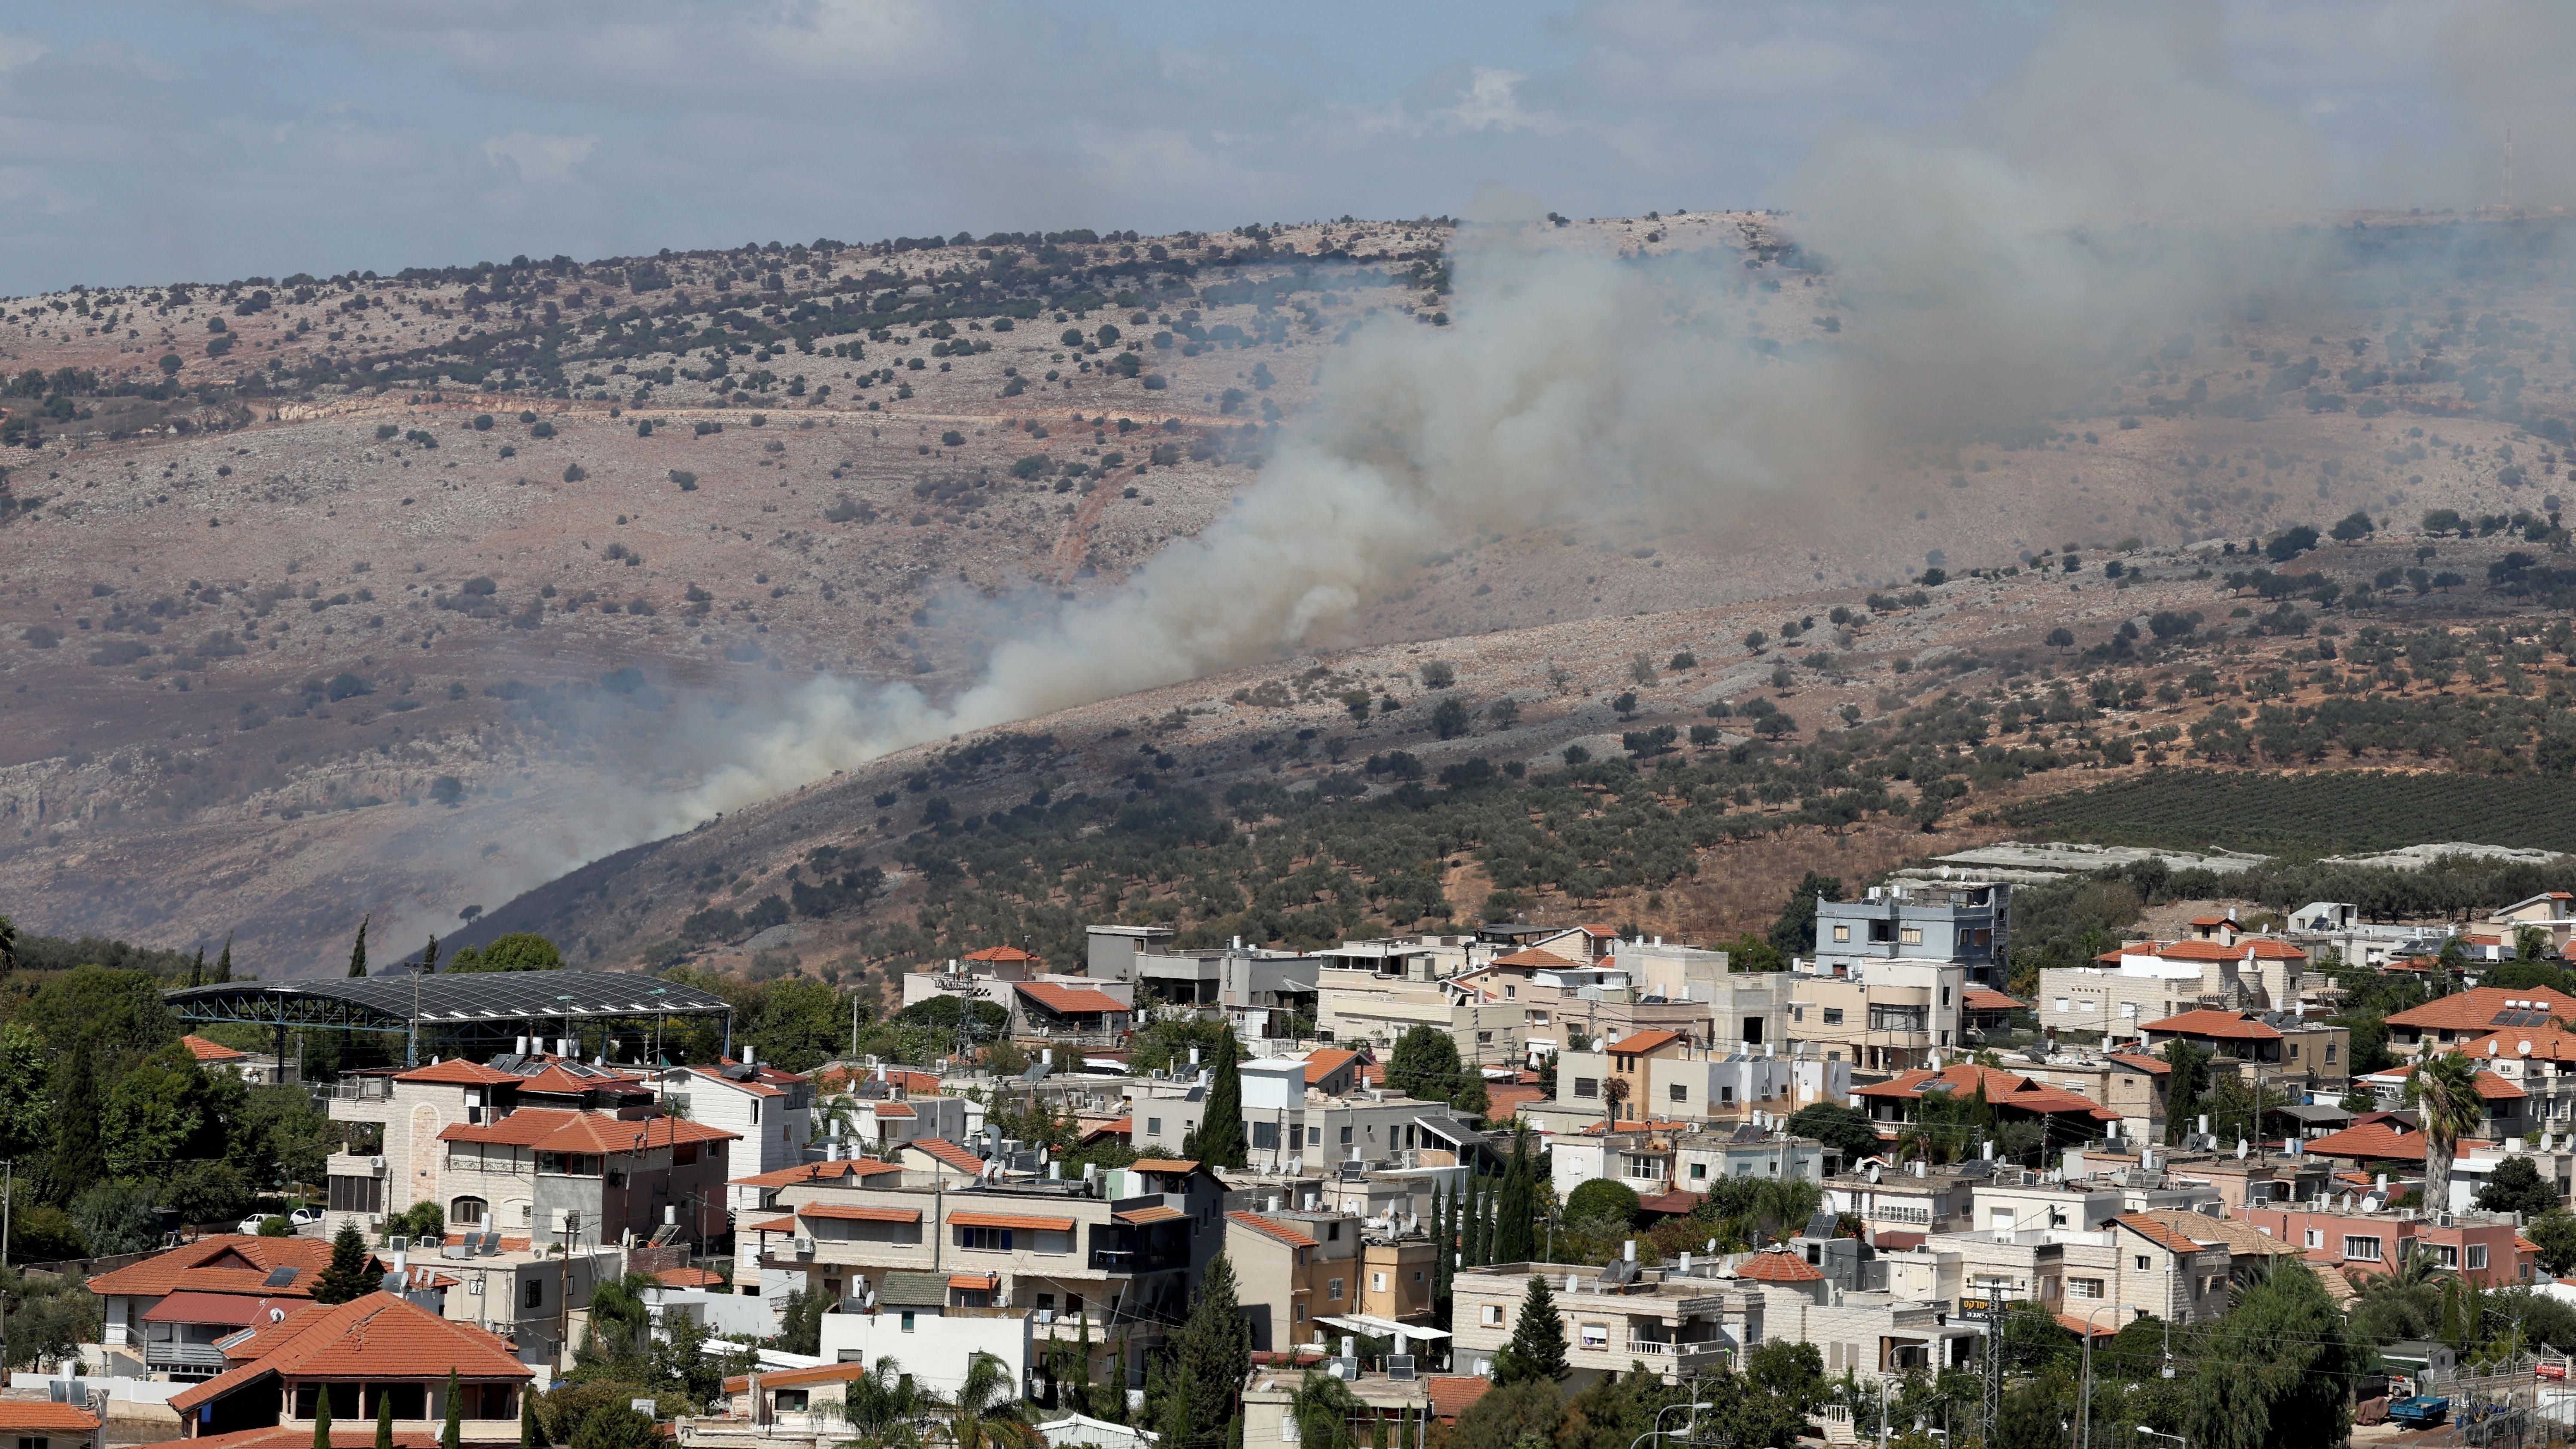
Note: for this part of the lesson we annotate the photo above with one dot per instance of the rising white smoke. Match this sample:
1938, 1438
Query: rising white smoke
1984, 271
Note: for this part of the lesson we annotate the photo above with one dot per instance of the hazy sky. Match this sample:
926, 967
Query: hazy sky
146, 141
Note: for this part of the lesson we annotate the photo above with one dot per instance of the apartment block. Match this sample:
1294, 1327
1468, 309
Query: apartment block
1963, 923
2483, 1248
1880, 1014
1615, 1319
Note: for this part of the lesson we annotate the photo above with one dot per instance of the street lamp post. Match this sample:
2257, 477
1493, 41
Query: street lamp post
1658, 1430
2084, 1408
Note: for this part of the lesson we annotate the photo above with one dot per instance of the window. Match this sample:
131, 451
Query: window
1511, 993
1333, 1289
1699, 1172
1417, 1275
2061, 1003
1332, 1232
2330, 1054
1680, 1092
907, 1320
993, 1239
1492, 1317
1484, 1038
1833, 1016
1301, 1313
1537, 1017
2477, 1257
2294, 1051
1265, 1135
2142, 1262
2445, 1254
466, 1212
1584, 1087
755, 1112
2363, 1249
1911, 936
1842, 933
355, 1194
1153, 1126
2316, 1237
1377, 1282
532, 1293
1346, 1136
1724, 1094
1596, 1335
2083, 1287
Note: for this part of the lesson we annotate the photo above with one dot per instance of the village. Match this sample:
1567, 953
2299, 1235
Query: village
1391, 1152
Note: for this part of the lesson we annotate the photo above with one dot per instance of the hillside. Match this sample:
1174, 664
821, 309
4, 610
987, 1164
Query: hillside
382, 598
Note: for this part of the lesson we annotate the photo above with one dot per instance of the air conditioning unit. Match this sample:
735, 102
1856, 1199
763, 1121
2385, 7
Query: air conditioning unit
397, 1243
1046, 1315
804, 1247
376, 1163
1399, 1365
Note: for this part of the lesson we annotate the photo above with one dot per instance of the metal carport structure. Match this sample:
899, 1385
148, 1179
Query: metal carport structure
466, 1009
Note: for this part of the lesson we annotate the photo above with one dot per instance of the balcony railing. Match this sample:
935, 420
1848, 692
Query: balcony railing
1129, 1260
183, 1356
364, 1089
1684, 1355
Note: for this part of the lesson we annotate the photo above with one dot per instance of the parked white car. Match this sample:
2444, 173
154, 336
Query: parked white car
300, 1219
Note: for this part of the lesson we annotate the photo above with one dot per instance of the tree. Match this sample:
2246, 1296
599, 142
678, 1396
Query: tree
2276, 1372
1449, 718
517, 951
1847, 1130
885, 1406
429, 956
2061, 640
800, 1323
988, 1413
118, 1217
1794, 933
2555, 1232
2354, 527
224, 963
2444, 1092
1516, 1208
1324, 1409
78, 1160
2516, 1187
26, 1099
2189, 1080
532, 1435
156, 1114
1537, 1349
384, 1420
358, 952
1219, 1140
322, 1418
1605, 1198
349, 1275
2033, 1416
1209, 1361
1425, 1064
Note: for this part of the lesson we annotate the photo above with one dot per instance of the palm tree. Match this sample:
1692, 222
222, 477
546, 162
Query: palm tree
885, 1407
988, 1412
1783, 1205
2443, 1090
1323, 1408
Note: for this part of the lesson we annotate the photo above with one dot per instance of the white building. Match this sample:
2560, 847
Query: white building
770, 1111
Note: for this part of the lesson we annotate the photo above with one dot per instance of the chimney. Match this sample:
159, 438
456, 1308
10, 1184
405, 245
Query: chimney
1685, 1262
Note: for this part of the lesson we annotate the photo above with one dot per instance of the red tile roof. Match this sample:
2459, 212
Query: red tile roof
975, 1282
2216, 1025
1324, 1061
2076, 1325
2227, 920
221, 1262
1677, 1203
554, 1081
1278, 1232
1122, 1127
1986, 998
1504, 1100
891, 1111
2003, 1089
2381, 1140
211, 1051
827, 1373
379, 1336
1158, 1213
1646, 1041
689, 1278
241, 1310
2153, 1066
1163, 1164
37, 1416
818, 1172
772, 1225
554, 1129
2477, 1010
1010, 954
457, 1072
2157, 1233
754, 1086
1779, 1265
1542, 960
947, 1152
1068, 1000
1454, 1394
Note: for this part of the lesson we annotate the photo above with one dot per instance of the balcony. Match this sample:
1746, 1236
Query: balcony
1687, 1357
184, 1357
363, 1089
1137, 1260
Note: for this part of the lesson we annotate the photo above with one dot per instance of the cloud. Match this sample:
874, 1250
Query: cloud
1491, 104
20, 50
540, 160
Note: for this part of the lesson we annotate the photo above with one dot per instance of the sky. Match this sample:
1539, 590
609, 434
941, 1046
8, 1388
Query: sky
147, 141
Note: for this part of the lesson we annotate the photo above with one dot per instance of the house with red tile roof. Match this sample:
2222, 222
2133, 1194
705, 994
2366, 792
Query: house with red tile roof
2474, 1015
770, 1112
2145, 981
2482, 1248
2279, 1047
1047, 1012
378, 1346
40, 1424
1894, 1103
168, 1311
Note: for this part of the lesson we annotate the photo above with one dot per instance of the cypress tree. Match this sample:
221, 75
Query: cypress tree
358, 952
453, 1435
1537, 1349
532, 1435
384, 1420
322, 1419
1516, 1214
1210, 1362
224, 963
1219, 1141
1476, 1212
79, 1160
197, 968
429, 956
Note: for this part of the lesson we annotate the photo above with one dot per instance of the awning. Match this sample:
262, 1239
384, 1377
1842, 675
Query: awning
1012, 1220
236, 1310
1376, 1327
854, 1213
974, 1282
1159, 1213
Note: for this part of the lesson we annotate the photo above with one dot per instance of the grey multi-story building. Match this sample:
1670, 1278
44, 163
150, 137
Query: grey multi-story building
1965, 922
1261, 993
